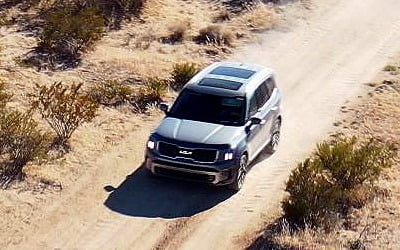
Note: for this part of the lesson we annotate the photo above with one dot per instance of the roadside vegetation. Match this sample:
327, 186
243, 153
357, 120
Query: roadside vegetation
66, 30
339, 176
21, 140
84, 75
345, 194
64, 108
182, 73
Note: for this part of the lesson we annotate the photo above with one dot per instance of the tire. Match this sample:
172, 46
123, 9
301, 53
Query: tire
240, 174
275, 137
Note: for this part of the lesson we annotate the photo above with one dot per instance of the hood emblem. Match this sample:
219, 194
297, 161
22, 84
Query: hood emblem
185, 152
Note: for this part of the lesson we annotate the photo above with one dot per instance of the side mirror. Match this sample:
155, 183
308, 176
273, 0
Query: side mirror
164, 107
255, 121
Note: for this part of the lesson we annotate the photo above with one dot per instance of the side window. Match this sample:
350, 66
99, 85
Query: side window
253, 106
270, 82
262, 95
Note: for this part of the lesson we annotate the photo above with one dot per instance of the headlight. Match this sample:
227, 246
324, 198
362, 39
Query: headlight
151, 144
228, 156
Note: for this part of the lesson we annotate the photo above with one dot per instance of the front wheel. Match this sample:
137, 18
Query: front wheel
240, 174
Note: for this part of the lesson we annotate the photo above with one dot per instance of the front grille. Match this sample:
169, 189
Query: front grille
184, 175
196, 154
167, 149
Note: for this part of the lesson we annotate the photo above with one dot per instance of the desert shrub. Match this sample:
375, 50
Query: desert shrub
182, 73
116, 10
390, 68
215, 34
178, 31
239, 6
156, 88
152, 92
64, 108
333, 179
222, 16
4, 99
259, 17
22, 141
110, 93
68, 31
351, 164
4, 20
4, 96
312, 198
113, 11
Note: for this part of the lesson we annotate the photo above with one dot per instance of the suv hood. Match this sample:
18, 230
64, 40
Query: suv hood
198, 132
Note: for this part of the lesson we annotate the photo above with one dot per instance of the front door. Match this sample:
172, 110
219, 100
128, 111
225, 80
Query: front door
253, 131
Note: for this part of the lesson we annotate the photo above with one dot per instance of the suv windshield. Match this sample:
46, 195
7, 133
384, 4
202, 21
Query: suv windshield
202, 107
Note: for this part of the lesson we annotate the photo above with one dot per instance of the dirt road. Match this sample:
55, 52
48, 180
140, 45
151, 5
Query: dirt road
321, 63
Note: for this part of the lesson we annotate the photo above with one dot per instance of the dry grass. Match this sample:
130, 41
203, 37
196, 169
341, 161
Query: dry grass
222, 16
134, 52
166, 33
178, 31
260, 17
216, 34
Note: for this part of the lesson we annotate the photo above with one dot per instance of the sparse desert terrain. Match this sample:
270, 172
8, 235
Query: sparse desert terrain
97, 197
374, 114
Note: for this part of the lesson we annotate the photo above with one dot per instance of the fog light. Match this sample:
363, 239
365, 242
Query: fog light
228, 156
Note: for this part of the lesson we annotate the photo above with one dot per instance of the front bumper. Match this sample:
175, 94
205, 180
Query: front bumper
222, 173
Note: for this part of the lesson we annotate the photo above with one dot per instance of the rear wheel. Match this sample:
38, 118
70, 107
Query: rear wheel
275, 137
240, 174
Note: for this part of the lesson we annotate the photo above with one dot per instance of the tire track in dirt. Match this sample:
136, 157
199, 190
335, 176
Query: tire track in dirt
354, 58
320, 64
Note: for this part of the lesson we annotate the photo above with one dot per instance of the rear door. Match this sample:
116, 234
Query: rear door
270, 108
274, 101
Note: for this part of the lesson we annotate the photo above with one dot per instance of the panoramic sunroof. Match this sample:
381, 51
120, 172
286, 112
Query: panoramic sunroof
219, 83
234, 72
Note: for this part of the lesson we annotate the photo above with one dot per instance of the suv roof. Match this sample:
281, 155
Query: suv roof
229, 78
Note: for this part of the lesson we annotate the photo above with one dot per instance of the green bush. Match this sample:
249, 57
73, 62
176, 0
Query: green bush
312, 197
64, 108
215, 34
334, 178
152, 92
69, 31
110, 93
21, 139
351, 164
182, 73
155, 88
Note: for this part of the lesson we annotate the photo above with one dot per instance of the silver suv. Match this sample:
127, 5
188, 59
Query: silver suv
222, 119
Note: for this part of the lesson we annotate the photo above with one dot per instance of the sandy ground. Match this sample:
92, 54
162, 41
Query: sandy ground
375, 114
320, 61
